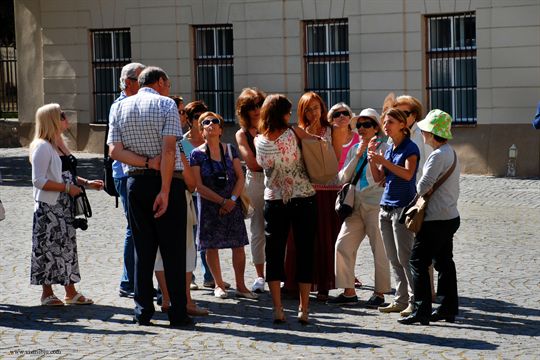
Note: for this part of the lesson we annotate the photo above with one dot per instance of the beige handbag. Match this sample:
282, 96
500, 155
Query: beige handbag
413, 214
320, 159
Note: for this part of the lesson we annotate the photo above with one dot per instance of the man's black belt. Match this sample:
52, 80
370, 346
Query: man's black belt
177, 174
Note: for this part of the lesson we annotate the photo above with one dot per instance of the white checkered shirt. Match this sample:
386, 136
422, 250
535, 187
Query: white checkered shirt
140, 122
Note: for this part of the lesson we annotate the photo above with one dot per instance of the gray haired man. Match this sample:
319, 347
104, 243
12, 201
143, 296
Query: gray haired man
147, 125
130, 86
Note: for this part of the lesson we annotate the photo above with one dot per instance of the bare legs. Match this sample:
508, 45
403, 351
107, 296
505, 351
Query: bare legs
239, 266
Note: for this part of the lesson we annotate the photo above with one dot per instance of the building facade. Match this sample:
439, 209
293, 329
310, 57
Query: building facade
479, 60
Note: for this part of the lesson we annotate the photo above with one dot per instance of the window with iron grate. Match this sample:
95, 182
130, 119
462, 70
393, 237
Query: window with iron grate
214, 78
111, 50
451, 65
326, 59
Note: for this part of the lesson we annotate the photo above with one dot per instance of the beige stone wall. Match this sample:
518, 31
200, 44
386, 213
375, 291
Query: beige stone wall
386, 52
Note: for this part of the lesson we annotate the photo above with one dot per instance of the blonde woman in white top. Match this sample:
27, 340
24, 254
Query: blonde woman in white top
54, 247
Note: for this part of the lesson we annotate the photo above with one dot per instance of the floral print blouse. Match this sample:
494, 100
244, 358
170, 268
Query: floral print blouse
285, 175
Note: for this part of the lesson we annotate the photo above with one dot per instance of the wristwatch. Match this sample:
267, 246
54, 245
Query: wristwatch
234, 197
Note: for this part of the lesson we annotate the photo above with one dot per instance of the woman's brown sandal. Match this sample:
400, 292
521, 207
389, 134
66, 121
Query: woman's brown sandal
279, 316
303, 316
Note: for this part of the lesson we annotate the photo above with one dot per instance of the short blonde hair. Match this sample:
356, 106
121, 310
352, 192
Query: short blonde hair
47, 124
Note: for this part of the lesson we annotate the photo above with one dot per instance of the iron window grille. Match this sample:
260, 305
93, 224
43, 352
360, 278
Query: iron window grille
451, 65
214, 77
8, 81
111, 50
326, 59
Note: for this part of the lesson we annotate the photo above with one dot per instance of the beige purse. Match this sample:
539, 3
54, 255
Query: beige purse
320, 159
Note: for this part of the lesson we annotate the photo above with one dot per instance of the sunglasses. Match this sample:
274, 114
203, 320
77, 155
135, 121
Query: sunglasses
254, 106
63, 115
408, 113
337, 114
366, 125
207, 122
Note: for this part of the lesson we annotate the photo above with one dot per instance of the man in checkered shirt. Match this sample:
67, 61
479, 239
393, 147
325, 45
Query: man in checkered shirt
147, 125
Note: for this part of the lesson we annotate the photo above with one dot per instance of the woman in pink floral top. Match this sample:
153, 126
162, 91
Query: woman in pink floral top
289, 202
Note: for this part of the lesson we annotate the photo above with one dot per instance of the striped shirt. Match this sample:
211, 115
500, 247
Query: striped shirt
399, 192
141, 122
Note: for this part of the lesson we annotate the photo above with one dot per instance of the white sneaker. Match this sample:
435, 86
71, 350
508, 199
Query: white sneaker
258, 285
220, 293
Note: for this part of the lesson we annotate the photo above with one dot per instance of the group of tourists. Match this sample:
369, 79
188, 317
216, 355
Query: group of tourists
184, 190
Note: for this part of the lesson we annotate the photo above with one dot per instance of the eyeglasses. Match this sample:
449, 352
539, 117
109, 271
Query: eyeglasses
133, 78
337, 114
365, 124
408, 113
63, 116
207, 122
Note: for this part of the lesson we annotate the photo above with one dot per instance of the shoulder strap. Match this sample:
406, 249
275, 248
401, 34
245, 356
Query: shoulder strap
229, 151
445, 176
298, 140
250, 140
359, 172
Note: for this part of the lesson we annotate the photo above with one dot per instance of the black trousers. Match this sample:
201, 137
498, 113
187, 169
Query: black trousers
301, 214
169, 233
434, 243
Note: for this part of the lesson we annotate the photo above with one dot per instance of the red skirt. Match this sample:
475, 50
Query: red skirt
328, 226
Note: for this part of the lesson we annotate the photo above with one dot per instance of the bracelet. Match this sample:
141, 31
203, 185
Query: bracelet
86, 182
146, 162
223, 202
67, 188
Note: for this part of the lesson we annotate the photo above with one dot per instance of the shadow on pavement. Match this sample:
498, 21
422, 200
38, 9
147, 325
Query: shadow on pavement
488, 315
64, 318
17, 171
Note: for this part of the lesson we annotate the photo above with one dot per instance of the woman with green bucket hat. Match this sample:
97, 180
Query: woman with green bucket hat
434, 241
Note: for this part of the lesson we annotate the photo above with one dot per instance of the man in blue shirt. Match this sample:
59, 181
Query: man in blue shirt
536, 120
129, 86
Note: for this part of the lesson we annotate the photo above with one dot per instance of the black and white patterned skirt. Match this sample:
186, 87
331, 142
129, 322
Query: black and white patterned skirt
54, 245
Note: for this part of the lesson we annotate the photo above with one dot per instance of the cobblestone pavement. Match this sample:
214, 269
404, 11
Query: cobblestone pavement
497, 252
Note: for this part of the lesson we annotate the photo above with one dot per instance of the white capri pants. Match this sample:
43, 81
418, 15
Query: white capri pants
255, 190
363, 221
190, 244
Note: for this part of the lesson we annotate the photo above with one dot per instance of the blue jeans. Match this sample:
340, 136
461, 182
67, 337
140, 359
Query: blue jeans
207, 275
128, 274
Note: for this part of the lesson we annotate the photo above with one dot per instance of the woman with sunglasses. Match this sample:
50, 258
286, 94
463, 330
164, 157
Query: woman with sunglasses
398, 168
365, 217
193, 139
55, 181
413, 109
340, 116
289, 203
220, 180
248, 113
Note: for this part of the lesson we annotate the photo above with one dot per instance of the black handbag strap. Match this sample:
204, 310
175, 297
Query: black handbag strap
359, 172
250, 140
